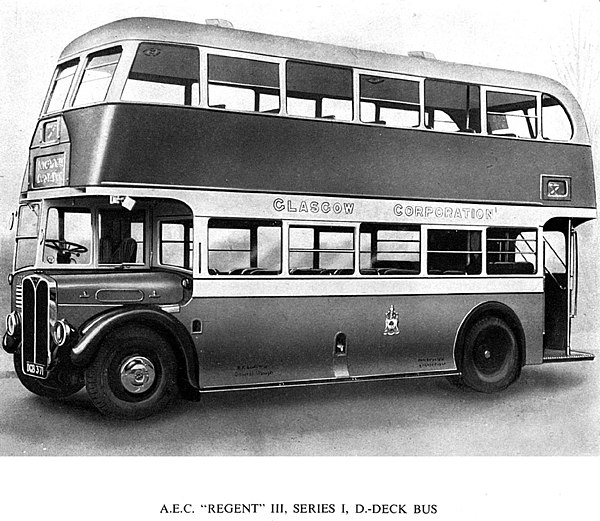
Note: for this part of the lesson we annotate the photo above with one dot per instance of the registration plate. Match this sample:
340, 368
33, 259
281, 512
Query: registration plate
33, 369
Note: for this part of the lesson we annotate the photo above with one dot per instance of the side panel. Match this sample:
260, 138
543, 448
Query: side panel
245, 341
196, 147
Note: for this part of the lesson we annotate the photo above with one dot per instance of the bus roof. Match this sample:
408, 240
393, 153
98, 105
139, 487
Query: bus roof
156, 29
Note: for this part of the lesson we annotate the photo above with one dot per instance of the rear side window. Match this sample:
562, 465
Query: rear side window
97, 76
164, 74
555, 121
61, 86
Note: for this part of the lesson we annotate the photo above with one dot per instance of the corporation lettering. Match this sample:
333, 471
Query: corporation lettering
444, 212
312, 206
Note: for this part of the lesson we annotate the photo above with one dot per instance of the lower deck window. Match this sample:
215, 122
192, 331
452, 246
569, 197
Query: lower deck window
511, 251
176, 246
244, 247
389, 250
453, 252
321, 250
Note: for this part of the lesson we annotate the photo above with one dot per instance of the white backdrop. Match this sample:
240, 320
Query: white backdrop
550, 37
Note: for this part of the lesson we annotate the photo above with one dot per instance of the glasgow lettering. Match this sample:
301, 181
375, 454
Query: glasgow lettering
313, 207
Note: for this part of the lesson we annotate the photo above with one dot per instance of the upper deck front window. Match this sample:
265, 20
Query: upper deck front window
97, 76
61, 86
164, 73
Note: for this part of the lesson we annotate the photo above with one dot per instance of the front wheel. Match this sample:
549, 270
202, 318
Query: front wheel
63, 381
491, 360
133, 374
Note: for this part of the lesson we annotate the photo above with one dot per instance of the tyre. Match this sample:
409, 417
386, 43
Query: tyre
134, 374
491, 356
63, 381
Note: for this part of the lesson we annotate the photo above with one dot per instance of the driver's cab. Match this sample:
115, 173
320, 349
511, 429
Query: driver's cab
96, 232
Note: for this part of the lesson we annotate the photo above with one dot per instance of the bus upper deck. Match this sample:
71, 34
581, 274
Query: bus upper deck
155, 102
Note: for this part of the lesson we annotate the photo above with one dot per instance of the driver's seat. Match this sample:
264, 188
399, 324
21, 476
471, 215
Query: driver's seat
126, 252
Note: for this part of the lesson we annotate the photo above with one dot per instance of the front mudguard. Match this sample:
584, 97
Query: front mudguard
96, 330
10, 344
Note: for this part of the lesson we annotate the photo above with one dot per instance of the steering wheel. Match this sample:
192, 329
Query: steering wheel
66, 247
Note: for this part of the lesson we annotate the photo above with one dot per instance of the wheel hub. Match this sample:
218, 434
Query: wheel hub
137, 374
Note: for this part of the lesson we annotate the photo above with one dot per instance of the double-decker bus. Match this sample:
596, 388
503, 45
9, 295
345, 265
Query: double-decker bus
210, 209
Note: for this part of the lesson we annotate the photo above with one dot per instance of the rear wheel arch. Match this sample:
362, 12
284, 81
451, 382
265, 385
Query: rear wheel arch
490, 309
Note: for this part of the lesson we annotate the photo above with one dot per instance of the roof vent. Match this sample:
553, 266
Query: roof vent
422, 54
219, 22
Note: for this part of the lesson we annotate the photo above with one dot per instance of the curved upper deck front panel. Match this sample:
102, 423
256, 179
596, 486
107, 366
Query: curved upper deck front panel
180, 146
153, 29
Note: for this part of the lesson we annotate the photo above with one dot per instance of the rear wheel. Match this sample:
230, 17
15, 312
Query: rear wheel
491, 357
64, 380
133, 374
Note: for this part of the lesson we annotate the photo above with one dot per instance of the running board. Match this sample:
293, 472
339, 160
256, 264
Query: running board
553, 356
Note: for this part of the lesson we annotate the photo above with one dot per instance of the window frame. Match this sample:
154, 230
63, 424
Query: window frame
204, 54
128, 60
485, 89
82, 69
327, 227
449, 227
377, 227
358, 72
69, 94
147, 234
318, 106
188, 230
520, 229
253, 253
44, 236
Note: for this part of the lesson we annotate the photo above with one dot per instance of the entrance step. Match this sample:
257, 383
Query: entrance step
556, 355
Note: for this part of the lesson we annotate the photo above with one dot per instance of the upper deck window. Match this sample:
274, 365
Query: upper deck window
319, 91
62, 83
555, 121
242, 84
512, 114
452, 107
164, 73
389, 101
97, 76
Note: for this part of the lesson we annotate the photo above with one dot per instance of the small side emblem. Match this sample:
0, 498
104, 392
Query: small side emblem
391, 322
152, 52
